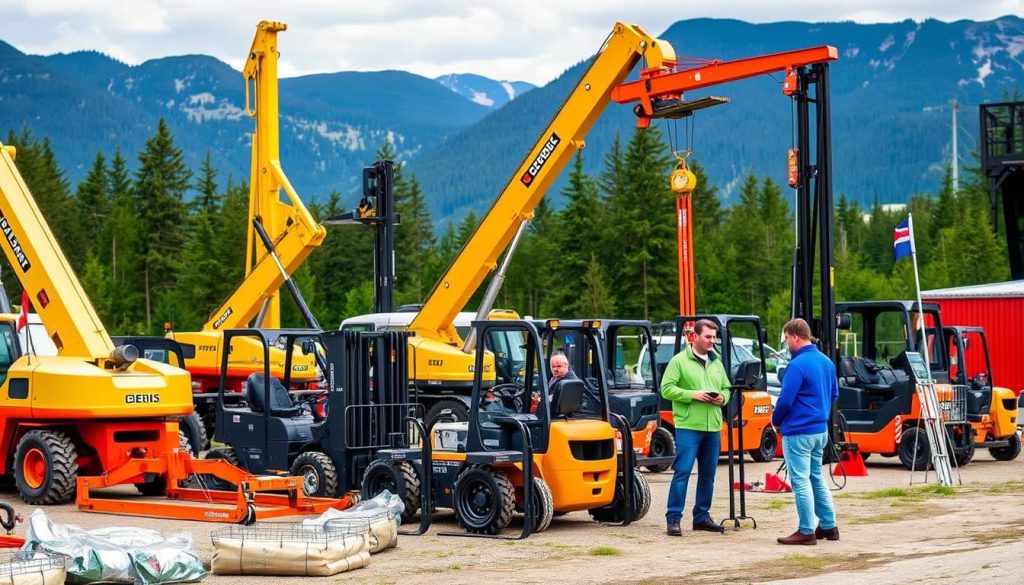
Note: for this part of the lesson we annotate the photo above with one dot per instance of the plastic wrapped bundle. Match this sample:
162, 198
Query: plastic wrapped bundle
124, 554
31, 568
290, 549
381, 513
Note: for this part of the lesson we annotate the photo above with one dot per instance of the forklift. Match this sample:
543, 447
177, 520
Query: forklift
878, 380
557, 434
992, 410
366, 408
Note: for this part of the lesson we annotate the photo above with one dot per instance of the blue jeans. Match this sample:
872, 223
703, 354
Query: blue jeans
703, 448
813, 498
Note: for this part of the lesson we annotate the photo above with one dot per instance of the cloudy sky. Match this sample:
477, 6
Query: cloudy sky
529, 40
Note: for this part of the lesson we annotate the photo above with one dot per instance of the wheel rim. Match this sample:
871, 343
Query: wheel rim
310, 480
659, 447
34, 468
768, 444
383, 481
478, 503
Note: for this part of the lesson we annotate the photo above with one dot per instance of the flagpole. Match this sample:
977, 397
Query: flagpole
920, 305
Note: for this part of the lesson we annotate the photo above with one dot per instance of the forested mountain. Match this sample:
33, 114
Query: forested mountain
891, 91
891, 120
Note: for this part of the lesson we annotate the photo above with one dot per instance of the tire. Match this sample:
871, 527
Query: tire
157, 487
457, 408
484, 499
769, 444
399, 478
1009, 452
318, 473
192, 427
922, 458
615, 513
208, 414
663, 444
543, 505
46, 467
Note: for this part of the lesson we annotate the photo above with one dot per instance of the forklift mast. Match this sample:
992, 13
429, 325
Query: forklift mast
813, 183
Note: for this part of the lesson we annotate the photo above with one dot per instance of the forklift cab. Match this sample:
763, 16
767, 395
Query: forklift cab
512, 399
268, 429
876, 380
969, 366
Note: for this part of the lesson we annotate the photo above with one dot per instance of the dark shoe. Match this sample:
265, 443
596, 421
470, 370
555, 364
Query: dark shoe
798, 538
708, 525
826, 533
674, 529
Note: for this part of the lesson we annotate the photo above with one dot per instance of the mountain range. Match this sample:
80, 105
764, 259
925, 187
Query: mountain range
463, 135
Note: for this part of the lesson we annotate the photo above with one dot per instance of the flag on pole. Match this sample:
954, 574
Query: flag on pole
23, 317
902, 240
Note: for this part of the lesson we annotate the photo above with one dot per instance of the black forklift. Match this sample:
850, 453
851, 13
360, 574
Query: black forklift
365, 409
633, 391
557, 434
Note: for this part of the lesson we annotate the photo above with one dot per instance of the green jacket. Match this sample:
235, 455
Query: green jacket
685, 375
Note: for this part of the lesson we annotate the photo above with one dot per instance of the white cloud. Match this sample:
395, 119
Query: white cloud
529, 40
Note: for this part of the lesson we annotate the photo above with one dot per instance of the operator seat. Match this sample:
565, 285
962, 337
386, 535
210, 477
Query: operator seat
281, 404
567, 397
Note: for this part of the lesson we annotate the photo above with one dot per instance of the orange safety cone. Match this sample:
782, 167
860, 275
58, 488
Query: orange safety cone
773, 484
851, 464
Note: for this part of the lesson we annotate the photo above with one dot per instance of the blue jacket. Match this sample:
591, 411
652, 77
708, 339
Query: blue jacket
809, 388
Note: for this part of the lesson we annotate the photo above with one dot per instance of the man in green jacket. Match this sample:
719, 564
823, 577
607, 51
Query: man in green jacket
697, 384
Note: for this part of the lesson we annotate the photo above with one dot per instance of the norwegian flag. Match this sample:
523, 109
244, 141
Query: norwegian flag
902, 240
23, 317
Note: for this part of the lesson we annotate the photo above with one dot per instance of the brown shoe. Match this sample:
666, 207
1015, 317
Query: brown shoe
826, 533
798, 538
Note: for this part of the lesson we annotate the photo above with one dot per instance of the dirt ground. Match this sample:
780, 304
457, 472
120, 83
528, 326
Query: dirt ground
891, 532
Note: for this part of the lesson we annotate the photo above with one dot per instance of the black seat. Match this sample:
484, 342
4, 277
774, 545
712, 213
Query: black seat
280, 401
865, 374
567, 397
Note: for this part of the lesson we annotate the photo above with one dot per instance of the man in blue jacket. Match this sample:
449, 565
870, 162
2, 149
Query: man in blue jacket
809, 388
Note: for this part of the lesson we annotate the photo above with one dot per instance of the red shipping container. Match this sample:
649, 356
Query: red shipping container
999, 308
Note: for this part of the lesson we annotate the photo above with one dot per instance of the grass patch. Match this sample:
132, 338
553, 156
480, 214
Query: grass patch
879, 519
605, 551
1012, 486
777, 504
805, 561
918, 492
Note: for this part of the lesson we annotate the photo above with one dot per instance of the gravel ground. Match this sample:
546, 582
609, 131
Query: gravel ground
892, 532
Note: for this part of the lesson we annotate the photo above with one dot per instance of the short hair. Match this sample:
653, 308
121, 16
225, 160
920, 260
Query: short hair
560, 354
703, 324
799, 328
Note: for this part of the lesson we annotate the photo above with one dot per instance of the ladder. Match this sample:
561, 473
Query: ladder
938, 439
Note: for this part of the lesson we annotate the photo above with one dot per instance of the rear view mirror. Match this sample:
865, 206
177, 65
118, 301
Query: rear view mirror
748, 373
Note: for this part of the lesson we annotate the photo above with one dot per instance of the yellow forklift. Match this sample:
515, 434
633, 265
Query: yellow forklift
530, 440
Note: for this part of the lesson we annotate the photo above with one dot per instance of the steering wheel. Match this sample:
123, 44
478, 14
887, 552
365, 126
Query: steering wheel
510, 395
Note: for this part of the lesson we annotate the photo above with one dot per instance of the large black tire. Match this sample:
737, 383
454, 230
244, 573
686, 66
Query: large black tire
615, 513
208, 414
663, 444
46, 467
318, 473
765, 451
484, 499
543, 505
458, 409
399, 478
919, 460
1009, 452
195, 432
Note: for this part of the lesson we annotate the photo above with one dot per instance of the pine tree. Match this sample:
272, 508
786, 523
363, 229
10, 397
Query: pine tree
414, 244
208, 201
160, 185
93, 200
577, 249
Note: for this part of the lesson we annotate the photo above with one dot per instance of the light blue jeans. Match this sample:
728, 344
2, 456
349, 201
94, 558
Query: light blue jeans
813, 498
